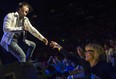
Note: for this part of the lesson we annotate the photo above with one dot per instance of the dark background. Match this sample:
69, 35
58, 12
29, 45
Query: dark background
68, 22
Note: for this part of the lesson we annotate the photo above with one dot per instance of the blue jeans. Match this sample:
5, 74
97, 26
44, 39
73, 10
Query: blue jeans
16, 48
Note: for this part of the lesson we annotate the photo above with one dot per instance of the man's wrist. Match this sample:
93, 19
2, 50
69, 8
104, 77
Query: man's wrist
43, 40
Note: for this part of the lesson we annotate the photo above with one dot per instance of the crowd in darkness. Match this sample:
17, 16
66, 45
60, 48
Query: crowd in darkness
72, 65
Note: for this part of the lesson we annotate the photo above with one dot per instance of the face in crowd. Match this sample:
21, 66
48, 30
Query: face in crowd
93, 52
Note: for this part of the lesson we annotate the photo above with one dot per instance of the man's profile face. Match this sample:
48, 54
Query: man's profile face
24, 10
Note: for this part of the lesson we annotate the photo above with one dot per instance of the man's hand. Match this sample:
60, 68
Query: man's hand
45, 41
53, 44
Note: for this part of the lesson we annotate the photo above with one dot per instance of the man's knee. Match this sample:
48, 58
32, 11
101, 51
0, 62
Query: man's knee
30, 43
33, 44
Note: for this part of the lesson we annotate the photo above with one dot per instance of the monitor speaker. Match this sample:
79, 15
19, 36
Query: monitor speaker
20, 71
1, 73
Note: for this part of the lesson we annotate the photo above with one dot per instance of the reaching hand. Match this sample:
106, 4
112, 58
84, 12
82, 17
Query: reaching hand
45, 41
53, 44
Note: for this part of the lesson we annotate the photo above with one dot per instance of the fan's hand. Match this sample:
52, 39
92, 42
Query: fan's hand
54, 44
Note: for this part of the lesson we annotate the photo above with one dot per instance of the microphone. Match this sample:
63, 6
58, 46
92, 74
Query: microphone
24, 31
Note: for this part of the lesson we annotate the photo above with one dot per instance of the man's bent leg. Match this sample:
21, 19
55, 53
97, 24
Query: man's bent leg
16, 50
31, 48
